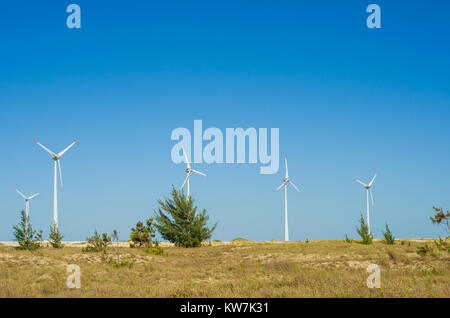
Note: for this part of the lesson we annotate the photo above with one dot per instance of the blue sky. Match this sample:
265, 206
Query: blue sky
349, 101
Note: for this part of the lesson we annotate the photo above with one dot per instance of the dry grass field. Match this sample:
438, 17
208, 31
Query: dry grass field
231, 269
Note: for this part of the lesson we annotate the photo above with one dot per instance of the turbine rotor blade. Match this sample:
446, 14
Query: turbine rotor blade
370, 184
279, 187
365, 185
185, 157
34, 195
295, 187
21, 194
46, 149
60, 175
71, 145
200, 173
285, 162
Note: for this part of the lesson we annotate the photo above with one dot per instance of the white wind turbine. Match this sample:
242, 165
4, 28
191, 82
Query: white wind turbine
27, 205
368, 190
284, 184
56, 158
189, 170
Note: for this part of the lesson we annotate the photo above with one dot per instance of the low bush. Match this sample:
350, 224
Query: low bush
156, 250
424, 250
142, 235
442, 245
123, 264
389, 239
347, 239
97, 243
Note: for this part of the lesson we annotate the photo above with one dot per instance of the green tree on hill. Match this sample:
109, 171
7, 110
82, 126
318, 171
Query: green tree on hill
389, 239
142, 235
24, 233
55, 237
178, 222
363, 231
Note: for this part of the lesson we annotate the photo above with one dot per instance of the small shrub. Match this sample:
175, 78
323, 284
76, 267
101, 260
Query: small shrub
402, 242
39, 238
424, 250
24, 234
55, 237
392, 256
156, 250
389, 239
363, 231
142, 235
347, 239
428, 272
123, 264
307, 241
442, 245
97, 243
115, 237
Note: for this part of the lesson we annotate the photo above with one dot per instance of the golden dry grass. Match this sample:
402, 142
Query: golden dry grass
237, 269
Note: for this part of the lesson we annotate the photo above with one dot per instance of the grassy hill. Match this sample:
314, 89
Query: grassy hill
239, 268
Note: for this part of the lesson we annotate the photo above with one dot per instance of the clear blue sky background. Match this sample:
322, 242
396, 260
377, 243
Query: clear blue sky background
349, 101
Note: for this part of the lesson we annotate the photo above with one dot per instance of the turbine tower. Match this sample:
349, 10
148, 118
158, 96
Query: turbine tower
56, 158
189, 170
368, 190
284, 184
27, 205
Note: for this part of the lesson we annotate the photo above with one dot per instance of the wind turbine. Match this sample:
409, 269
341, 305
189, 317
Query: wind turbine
27, 205
189, 170
285, 184
368, 190
56, 158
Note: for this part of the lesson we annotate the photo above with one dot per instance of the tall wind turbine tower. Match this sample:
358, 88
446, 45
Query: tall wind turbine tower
368, 190
27, 205
56, 158
285, 183
189, 170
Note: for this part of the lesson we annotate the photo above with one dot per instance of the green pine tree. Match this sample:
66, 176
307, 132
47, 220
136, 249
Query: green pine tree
389, 239
24, 233
55, 237
363, 231
178, 222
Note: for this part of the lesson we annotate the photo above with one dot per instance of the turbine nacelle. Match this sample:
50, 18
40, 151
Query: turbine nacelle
25, 197
189, 171
285, 183
368, 188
